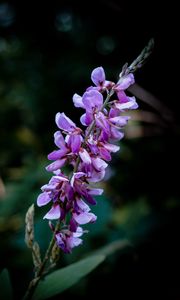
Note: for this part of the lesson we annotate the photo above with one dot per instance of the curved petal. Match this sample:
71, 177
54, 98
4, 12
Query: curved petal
131, 104
111, 147
79, 232
99, 164
125, 82
77, 100
75, 142
56, 165
64, 123
84, 218
95, 191
59, 140
119, 121
92, 99
54, 213
82, 205
116, 134
84, 155
43, 199
73, 242
98, 76
104, 154
57, 154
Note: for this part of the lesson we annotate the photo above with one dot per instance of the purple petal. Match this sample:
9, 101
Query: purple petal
119, 121
75, 142
92, 100
60, 239
98, 76
56, 165
122, 96
95, 191
114, 112
77, 100
72, 225
86, 119
43, 199
102, 123
116, 134
79, 232
83, 120
96, 176
111, 147
125, 82
64, 123
82, 205
84, 155
60, 178
131, 104
89, 198
54, 213
99, 164
104, 154
59, 140
73, 242
76, 176
84, 218
57, 154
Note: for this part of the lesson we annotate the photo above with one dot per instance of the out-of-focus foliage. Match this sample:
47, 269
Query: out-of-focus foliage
47, 52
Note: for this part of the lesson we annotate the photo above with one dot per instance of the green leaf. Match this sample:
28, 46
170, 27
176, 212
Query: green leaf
64, 278
5, 285
113, 247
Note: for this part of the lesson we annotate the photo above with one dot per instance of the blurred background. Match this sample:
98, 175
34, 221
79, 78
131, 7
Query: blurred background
47, 53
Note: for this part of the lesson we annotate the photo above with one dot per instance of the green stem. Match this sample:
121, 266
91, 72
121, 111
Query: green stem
39, 274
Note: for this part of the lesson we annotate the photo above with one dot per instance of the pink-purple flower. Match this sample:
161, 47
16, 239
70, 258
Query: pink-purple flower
87, 152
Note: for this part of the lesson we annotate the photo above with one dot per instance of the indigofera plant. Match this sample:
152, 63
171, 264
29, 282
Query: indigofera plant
87, 151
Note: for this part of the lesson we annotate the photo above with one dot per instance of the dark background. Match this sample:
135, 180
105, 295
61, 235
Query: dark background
47, 53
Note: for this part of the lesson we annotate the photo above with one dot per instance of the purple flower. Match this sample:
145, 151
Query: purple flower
87, 152
67, 240
99, 79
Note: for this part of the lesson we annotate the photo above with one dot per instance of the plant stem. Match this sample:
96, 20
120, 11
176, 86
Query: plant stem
34, 282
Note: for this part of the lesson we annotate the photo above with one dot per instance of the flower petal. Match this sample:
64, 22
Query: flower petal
98, 76
73, 242
56, 165
104, 154
64, 123
79, 232
84, 155
77, 100
75, 142
59, 140
84, 218
43, 199
119, 121
57, 154
95, 191
54, 213
111, 147
125, 82
76, 176
116, 134
82, 205
131, 104
99, 164
92, 100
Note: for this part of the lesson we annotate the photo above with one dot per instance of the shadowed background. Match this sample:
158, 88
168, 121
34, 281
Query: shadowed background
47, 53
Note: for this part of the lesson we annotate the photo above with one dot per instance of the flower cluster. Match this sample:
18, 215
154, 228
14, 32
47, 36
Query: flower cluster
87, 152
